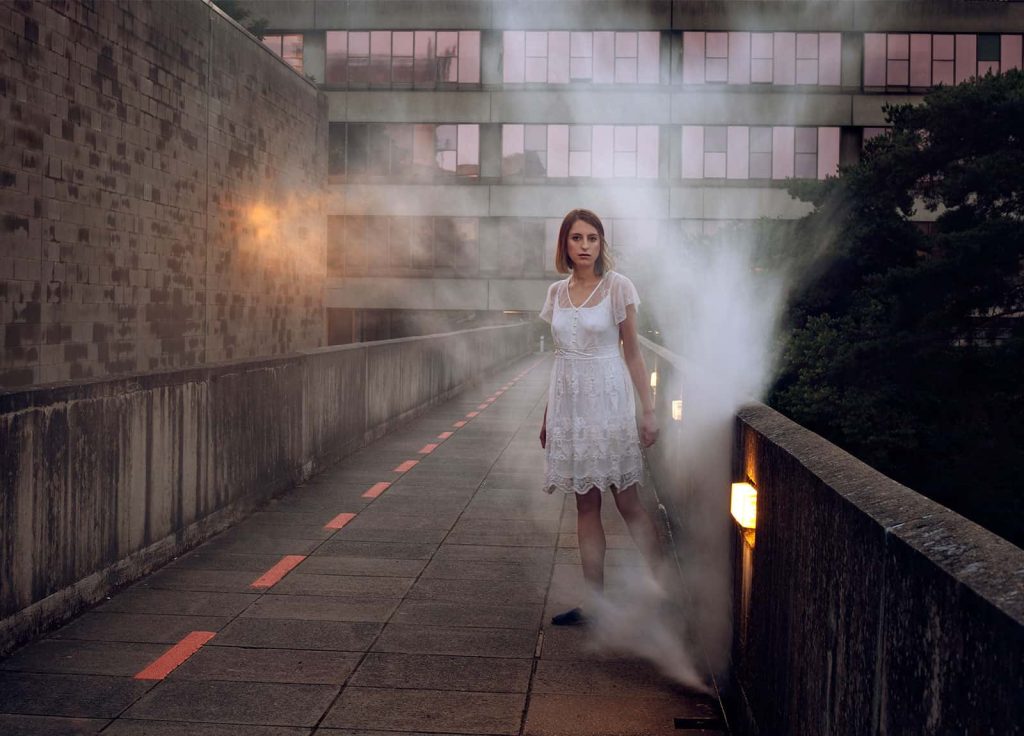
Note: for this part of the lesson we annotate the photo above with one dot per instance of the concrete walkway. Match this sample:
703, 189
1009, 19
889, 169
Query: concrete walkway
406, 591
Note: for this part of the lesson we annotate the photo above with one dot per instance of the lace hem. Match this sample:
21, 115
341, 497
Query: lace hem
581, 486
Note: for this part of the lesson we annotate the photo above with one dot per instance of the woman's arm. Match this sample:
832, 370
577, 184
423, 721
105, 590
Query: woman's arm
638, 372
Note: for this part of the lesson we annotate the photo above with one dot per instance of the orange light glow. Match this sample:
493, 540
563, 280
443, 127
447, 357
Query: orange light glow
744, 505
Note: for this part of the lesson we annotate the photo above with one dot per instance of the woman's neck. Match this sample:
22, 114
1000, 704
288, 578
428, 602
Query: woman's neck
585, 275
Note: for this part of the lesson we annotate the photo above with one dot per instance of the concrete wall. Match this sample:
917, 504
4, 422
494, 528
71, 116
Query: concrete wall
872, 609
161, 192
860, 607
105, 480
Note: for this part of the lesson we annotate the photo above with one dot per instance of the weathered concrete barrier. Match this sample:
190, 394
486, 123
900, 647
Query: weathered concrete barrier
860, 607
105, 480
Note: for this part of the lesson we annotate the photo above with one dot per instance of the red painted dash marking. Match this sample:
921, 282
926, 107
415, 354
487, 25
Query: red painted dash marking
406, 466
273, 576
445, 435
339, 521
376, 489
460, 424
427, 449
472, 414
163, 665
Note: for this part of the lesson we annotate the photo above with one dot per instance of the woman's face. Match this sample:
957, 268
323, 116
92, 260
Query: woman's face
584, 244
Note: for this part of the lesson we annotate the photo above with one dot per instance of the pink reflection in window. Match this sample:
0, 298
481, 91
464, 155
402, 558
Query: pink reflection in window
625, 70
536, 69
647, 151
603, 151
425, 63
423, 146
761, 45
625, 164
336, 71
359, 43
1010, 52
920, 60
447, 56
739, 58
943, 47
782, 152
693, 152
536, 137
447, 161
898, 46
828, 152
738, 152
581, 69
625, 44
714, 165
469, 57
380, 57
807, 58
536, 43
693, 57
558, 150
943, 73
625, 138
984, 67
514, 57
579, 163
649, 58
716, 45
469, 150
402, 43
447, 43
897, 73
604, 57
558, 57
511, 150
581, 43
784, 67
830, 55
966, 56
874, 59
806, 71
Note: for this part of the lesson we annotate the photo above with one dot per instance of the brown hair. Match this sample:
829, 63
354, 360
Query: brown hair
563, 264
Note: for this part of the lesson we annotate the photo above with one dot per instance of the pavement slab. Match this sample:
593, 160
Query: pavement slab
443, 672
17, 725
139, 599
362, 566
427, 710
79, 696
322, 608
380, 550
586, 715
435, 613
463, 641
298, 583
132, 727
137, 627
337, 636
242, 664
494, 592
67, 656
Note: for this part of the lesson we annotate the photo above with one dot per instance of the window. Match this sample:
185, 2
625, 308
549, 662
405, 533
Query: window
739, 57
599, 151
759, 152
288, 47
921, 60
563, 57
403, 59
419, 152
360, 245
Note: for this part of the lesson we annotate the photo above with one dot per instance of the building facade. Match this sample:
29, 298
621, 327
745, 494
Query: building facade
461, 132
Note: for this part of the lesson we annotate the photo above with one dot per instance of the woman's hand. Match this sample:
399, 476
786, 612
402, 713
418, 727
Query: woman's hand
648, 429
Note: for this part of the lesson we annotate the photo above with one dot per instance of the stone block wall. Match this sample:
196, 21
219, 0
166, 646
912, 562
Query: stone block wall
161, 192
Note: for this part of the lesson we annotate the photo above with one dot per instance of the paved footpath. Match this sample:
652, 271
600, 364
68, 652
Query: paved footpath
407, 590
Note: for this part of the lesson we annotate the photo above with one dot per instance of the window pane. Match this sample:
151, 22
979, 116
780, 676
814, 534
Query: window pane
336, 149
761, 45
830, 54
942, 47
581, 43
738, 153
469, 57
625, 71
511, 150
717, 70
447, 43
469, 150
988, 47
693, 57
558, 57
714, 165
898, 46
425, 63
647, 151
423, 149
625, 164
761, 140
625, 138
806, 166
536, 138
335, 71
359, 43
402, 70
514, 58
380, 57
402, 43
897, 73
446, 137
400, 139
942, 73
715, 138
625, 44
761, 71
784, 67
536, 43
828, 152
739, 58
966, 56
581, 69
579, 138
1010, 52
649, 58
807, 45
782, 152
760, 166
920, 60
603, 151
604, 57
536, 69
447, 161
806, 140
579, 163
807, 71
356, 147
558, 150
717, 45
693, 152
874, 59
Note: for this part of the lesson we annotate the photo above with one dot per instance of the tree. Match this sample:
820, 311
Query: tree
235, 9
906, 349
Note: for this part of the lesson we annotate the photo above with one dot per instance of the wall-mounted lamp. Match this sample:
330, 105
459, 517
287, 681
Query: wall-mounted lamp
677, 410
654, 379
744, 505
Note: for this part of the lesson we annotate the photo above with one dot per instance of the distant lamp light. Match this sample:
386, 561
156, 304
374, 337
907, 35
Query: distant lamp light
677, 410
744, 505
654, 379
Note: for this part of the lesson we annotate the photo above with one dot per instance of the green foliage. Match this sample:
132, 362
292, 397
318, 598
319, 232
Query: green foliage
906, 347
240, 13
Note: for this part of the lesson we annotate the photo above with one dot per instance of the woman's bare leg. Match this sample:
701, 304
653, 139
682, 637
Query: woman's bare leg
641, 527
591, 537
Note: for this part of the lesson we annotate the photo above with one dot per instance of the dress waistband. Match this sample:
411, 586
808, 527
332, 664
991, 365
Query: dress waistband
605, 351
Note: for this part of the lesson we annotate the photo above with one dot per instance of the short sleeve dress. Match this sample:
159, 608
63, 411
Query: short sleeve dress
592, 439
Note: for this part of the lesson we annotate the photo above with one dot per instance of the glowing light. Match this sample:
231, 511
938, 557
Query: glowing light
654, 379
744, 505
677, 410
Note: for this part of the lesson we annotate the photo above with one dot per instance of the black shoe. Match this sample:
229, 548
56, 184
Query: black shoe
574, 617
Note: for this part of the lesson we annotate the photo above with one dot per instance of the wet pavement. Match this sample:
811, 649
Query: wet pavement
407, 590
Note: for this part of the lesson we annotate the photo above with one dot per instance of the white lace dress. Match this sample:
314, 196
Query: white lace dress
592, 439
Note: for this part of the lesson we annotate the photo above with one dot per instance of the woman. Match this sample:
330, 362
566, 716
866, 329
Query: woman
589, 429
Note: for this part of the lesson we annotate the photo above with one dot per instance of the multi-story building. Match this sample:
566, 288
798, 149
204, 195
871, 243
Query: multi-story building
461, 132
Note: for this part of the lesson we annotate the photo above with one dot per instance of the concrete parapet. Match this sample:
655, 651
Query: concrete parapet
871, 609
105, 480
